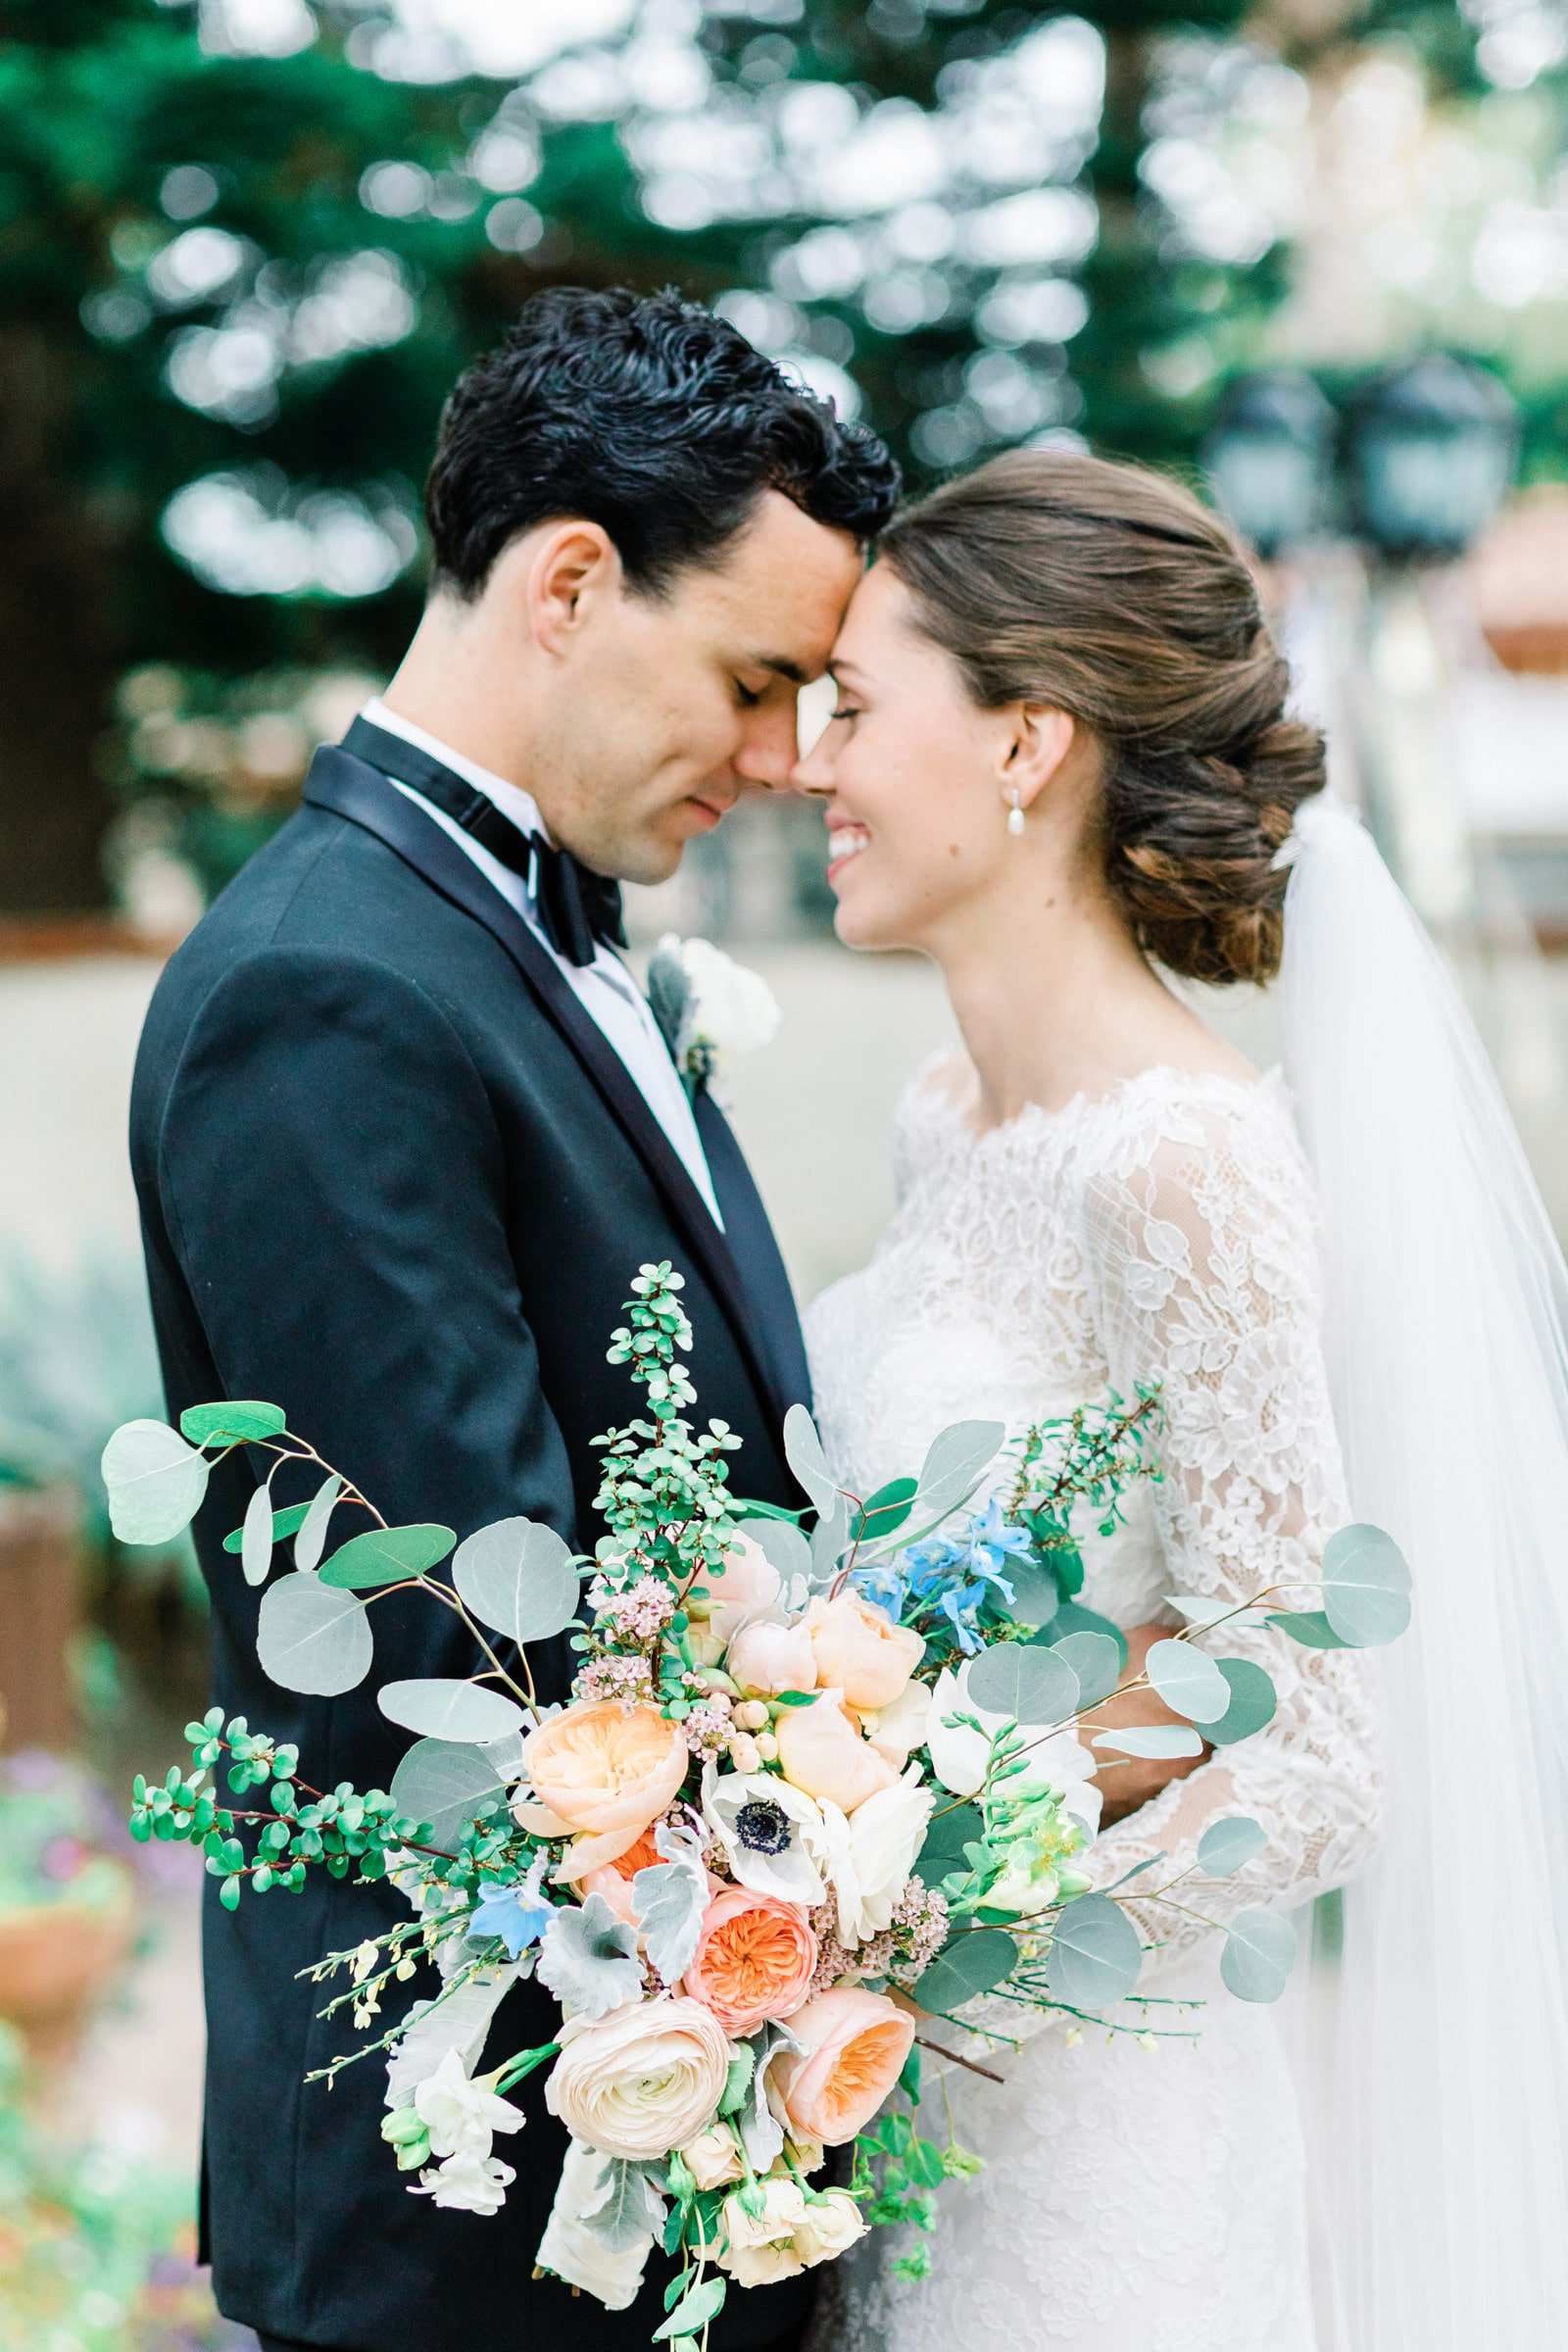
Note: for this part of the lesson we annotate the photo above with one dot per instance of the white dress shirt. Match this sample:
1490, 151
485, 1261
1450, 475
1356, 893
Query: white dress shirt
605, 988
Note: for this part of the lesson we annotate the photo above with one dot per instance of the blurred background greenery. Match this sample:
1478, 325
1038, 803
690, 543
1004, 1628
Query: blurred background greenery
1311, 253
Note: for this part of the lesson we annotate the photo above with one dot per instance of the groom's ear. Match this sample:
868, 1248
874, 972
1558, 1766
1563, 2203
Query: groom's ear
567, 573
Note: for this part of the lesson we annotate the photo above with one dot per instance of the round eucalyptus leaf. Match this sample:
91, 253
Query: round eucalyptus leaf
1310, 1627
1095, 1953
311, 1638
1035, 1595
310, 1541
156, 1482
951, 1830
387, 1555
1258, 1956
969, 1963
445, 1783
1032, 1685
1366, 1587
1097, 1662
957, 1459
443, 1708
783, 1543
803, 1450
256, 1536
1228, 1845
1072, 1617
1187, 1681
241, 1420
517, 1577
1252, 1702
1160, 1740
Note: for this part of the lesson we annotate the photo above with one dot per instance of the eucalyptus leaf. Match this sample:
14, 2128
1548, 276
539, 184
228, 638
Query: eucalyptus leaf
884, 1512
310, 1638
957, 1459
241, 1421
1073, 1618
784, 1544
971, 1962
518, 1578
803, 1450
589, 1958
1095, 1953
284, 1523
1252, 1702
1161, 1740
443, 1708
1189, 1682
1366, 1586
387, 1555
447, 1784
310, 1541
256, 1536
1036, 1595
951, 1830
1097, 1662
1228, 1845
828, 1540
1258, 1956
1201, 1614
156, 1482
625, 2210
1030, 1684
1310, 1627
694, 2310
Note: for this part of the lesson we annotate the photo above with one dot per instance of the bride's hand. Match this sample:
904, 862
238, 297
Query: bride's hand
1125, 1785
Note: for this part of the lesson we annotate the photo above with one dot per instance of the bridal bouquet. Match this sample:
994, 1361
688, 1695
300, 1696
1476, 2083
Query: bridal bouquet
807, 1788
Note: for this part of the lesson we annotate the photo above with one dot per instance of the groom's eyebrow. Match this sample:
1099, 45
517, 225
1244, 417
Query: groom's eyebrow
783, 668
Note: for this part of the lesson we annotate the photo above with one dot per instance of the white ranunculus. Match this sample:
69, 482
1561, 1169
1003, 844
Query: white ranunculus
467, 2182
728, 1009
641, 2080
775, 1848
569, 2246
872, 1852
959, 1754
460, 2114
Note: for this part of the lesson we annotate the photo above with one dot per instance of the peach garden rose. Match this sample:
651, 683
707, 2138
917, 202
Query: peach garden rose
820, 1750
855, 2043
860, 1651
607, 1772
756, 1957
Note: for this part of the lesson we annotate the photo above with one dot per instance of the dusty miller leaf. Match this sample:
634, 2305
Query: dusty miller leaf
626, 2209
589, 1958
669, 1898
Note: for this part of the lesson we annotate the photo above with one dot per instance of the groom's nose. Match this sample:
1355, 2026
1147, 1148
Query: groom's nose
769, 747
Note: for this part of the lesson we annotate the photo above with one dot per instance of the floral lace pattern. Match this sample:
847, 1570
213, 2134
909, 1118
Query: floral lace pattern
1133, 2200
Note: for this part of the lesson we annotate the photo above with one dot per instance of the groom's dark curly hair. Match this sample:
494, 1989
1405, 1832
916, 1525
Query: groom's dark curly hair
649, 415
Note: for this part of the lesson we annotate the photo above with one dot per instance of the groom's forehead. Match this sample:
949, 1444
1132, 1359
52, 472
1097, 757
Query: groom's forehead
781, 581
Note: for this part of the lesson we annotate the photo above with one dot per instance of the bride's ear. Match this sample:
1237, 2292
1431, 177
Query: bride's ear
1040, 744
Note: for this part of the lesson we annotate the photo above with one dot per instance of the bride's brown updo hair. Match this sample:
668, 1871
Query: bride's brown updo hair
1111, 592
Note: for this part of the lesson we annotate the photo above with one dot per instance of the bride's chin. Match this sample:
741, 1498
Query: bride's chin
861, 926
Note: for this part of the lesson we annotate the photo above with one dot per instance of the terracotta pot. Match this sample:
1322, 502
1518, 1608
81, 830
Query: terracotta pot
56, 1959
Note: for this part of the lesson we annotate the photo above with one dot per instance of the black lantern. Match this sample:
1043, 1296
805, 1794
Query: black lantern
1270, 458
1432, 449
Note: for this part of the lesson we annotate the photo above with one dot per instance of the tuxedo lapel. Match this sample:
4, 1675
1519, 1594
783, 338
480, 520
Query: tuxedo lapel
753, 1242
350, 788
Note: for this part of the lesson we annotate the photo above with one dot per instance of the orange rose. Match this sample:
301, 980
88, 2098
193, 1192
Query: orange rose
856, 2044
608, 1774
754, 1959
860, 1651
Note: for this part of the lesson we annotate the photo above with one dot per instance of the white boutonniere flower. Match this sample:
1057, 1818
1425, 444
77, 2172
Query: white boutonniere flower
710, 1008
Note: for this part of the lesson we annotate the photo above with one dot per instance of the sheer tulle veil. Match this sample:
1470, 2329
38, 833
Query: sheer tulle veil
1442, 2149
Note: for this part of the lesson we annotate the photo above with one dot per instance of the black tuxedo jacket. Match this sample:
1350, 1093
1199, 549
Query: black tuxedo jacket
394, 1179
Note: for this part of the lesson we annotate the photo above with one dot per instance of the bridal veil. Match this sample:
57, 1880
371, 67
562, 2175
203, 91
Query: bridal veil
1441, 2155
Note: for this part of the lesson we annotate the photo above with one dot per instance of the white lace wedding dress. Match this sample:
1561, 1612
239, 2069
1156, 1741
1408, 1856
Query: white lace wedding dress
1133, 2200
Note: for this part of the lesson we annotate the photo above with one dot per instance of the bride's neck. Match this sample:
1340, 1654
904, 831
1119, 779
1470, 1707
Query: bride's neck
1053, 999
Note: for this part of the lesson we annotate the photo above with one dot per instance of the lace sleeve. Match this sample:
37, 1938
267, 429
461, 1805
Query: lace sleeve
1200, 1243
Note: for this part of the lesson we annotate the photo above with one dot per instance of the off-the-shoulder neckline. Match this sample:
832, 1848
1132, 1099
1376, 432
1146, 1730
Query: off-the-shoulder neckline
1158, 1077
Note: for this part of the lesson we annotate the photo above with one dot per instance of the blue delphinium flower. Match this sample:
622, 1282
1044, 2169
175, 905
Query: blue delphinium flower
883, 1584
519, 1915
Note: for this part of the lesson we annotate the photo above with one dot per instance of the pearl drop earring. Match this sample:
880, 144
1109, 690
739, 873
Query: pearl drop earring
1016, 813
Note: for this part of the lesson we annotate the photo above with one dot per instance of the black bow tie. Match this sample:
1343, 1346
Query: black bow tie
576, 907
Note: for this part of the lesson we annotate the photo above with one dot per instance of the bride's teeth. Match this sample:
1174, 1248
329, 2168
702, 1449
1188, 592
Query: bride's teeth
846, 844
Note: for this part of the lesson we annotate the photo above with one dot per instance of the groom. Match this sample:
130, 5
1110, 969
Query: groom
403, 1131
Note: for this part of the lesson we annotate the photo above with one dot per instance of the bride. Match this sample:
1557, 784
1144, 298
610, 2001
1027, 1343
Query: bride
1061, 755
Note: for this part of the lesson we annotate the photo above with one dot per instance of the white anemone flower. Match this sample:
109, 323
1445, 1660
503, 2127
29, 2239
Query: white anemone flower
771, 1833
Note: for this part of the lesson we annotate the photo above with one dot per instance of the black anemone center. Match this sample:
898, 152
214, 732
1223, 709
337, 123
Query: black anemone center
764, 1826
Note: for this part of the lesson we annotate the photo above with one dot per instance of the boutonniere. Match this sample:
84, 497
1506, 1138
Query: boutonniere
710, 1008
